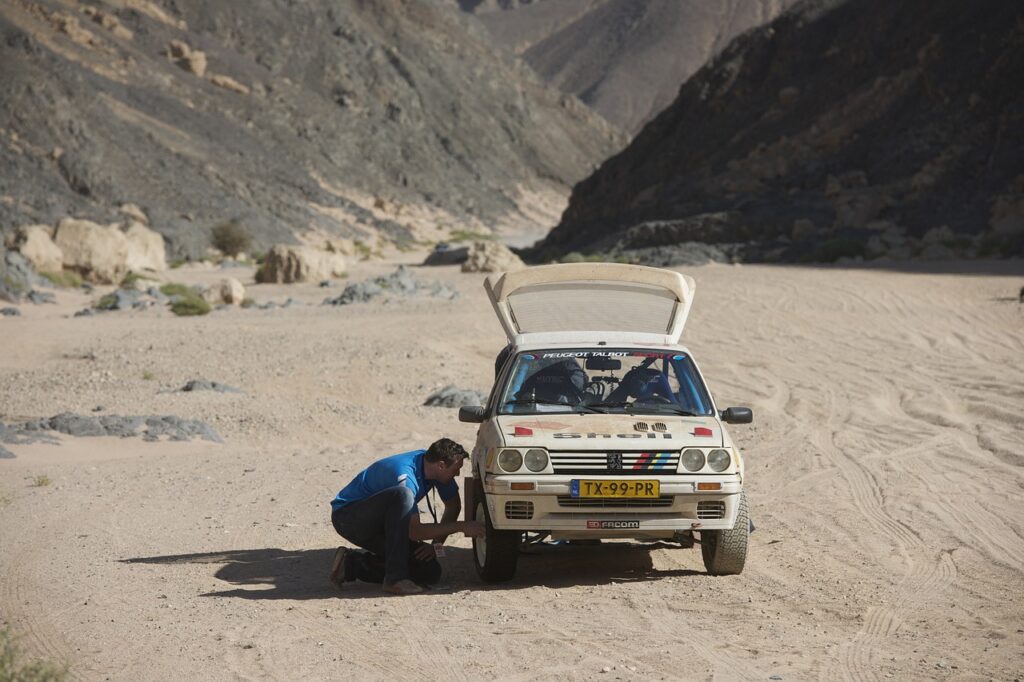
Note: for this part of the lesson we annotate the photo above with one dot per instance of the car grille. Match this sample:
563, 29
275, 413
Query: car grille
615, 462
593, 503
519, 509
711, 510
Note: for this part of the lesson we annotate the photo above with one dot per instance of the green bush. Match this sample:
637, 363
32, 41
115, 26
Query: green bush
107, 302
577, 257
192, 304
840, 247
65, 279
468, 236
175, 289
231, 238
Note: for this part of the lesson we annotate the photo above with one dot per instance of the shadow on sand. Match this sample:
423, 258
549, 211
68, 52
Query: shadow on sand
302, 574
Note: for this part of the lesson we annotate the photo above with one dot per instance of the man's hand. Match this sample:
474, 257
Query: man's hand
473, 529
424, 553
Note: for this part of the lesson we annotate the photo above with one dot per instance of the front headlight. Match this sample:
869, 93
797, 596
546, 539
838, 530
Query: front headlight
719, 460
693, 460
510, 460
536, 460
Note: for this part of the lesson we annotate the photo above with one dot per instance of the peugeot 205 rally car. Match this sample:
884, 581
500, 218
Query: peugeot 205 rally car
599, 424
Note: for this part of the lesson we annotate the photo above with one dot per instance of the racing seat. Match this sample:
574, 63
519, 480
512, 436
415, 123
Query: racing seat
562, 382
642, 383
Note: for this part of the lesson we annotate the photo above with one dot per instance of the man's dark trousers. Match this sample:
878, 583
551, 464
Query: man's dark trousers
380, 524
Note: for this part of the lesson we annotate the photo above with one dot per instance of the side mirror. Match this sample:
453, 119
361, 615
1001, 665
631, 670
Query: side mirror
737, 415
475, 414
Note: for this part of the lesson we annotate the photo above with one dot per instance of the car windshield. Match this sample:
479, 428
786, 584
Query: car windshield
607, 381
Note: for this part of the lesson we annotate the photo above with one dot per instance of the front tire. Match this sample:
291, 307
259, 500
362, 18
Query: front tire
725, 551
495, 555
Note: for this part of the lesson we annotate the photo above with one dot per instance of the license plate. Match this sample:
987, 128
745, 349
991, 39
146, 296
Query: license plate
585, 488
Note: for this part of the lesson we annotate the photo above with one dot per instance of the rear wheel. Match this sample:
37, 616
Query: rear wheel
725, 551
497, 552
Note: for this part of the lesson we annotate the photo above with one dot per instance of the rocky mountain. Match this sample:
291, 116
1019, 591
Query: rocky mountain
624, 58
351, 118
864, 128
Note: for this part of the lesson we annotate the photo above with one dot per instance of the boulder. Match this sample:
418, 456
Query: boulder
229, 83
145, 249
135, 213
447, 256
286, 264
228, 290
35, 244
98, 253
491, 257
187, 58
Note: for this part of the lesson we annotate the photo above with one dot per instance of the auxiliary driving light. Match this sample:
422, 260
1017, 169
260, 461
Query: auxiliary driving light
536, 460
510, 460
719, 460
693, 460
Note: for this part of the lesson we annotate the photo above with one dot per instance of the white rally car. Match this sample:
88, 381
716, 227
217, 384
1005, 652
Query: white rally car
599, 424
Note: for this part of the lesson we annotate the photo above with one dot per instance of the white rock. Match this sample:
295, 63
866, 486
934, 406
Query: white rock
286, 264
146, 249
36, 245
98, 253
491, 257
228, 290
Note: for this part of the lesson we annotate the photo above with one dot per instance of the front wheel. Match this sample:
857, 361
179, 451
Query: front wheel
725, 551
495, 555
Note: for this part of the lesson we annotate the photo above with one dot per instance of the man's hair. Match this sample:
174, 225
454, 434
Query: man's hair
445, 450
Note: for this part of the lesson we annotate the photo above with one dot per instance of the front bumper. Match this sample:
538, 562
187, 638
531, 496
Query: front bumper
550, 508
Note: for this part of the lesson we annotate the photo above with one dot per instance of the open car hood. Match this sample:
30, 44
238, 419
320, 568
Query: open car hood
576, 302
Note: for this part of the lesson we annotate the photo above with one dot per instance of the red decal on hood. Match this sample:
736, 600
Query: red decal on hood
703, 431
523, 431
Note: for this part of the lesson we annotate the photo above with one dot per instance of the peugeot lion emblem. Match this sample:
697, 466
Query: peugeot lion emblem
614, 461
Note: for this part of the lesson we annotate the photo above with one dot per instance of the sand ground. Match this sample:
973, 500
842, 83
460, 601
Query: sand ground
885, 476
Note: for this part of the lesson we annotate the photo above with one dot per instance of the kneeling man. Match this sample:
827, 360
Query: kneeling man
377, 511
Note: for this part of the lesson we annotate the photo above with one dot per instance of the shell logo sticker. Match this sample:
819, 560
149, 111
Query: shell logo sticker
522, 431
703, 432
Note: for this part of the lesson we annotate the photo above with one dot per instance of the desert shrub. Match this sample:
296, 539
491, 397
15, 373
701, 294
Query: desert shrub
469, 236
362, 250
148, 376
248, 302
12, 284
175, 289
65, 279
833, 249
41, 481
108, 302
577, 257
190, 304
176, 263
231, 238
130, 279
13, 668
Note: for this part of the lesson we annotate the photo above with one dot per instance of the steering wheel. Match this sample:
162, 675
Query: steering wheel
594, 388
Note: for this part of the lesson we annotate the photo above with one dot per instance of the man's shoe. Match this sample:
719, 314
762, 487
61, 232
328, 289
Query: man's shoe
403, 587
337, 575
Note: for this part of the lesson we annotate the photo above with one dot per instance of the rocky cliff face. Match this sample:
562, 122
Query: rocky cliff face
350, 117
624, 58
866, 128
